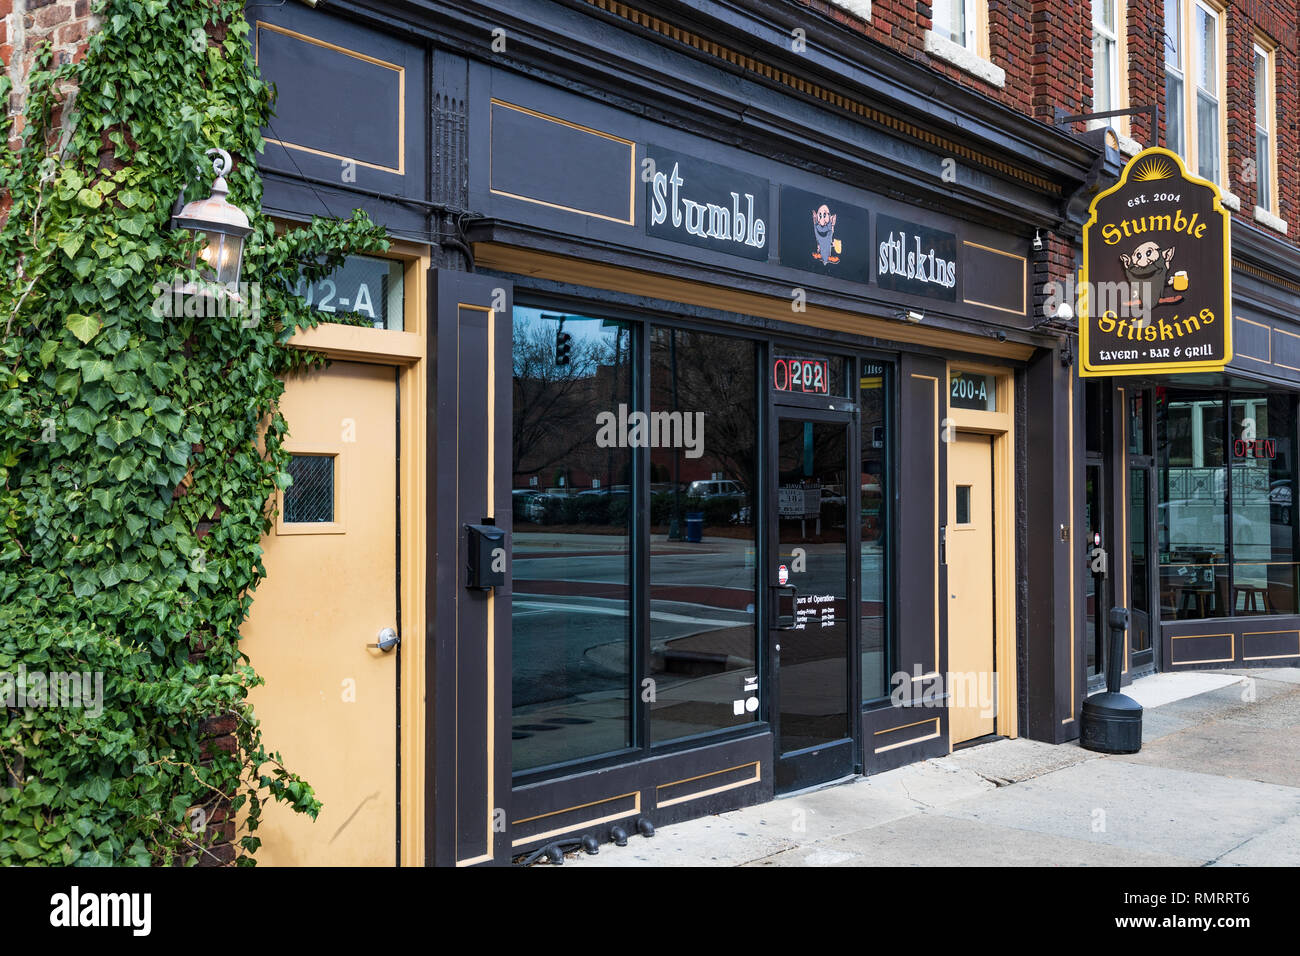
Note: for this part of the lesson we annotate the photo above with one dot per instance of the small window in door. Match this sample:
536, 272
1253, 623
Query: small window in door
310, 499
963, 504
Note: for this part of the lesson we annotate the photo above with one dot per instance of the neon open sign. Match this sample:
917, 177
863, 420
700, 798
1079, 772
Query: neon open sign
812, 376
1255, 448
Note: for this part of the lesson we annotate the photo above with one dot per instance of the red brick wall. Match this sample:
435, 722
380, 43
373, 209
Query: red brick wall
1275, 19
26, 24
1045, 47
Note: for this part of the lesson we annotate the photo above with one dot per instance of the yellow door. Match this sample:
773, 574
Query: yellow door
329, 705
972, 681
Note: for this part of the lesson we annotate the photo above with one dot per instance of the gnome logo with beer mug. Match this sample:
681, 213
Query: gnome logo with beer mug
1150, 281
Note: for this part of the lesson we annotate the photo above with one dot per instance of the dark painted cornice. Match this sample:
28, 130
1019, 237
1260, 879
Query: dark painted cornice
836, 52
1265, 251
553, 39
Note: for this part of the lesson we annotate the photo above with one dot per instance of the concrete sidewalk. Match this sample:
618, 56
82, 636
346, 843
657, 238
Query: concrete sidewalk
1217, 782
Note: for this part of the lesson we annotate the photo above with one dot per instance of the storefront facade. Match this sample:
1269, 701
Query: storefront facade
728, 453
1195, 475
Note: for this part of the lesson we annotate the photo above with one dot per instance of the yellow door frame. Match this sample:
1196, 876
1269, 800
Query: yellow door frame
1000, 425
407, 350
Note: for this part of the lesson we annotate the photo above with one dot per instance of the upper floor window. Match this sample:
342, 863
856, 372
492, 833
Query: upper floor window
959, 34
1107, 73
1194, 91
956, 21
1265, 146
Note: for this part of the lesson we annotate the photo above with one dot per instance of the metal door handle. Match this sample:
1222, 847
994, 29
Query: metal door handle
794, 609
388, 639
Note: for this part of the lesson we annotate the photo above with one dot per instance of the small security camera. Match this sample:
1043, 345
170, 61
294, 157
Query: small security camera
914, 316
1038, 241
1063, 311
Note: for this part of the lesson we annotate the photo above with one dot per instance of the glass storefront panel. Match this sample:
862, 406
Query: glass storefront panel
703, 539
1226, 477
1264, 570
812, 469
1137, 431
1191, 510
874, 573
1092, 592
571, 548
1139, 583
605, 411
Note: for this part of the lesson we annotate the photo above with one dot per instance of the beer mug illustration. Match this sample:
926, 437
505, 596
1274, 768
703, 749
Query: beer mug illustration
1180, 281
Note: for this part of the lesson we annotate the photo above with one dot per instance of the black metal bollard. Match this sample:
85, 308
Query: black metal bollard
1112, 722
1115, 663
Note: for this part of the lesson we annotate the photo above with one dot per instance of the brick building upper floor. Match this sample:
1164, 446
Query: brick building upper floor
1222, 75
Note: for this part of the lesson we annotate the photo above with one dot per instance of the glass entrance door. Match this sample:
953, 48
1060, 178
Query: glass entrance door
813, 634
1095, 590
1142, 620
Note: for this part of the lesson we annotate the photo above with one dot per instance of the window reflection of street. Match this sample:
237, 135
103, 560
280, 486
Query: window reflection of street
814, 673
703, 559
571, 566
874, 490
1226, 530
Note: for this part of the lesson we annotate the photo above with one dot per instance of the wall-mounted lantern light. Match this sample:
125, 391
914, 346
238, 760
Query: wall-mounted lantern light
223, 226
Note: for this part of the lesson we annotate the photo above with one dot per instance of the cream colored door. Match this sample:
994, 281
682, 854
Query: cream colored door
971, 677
329, 705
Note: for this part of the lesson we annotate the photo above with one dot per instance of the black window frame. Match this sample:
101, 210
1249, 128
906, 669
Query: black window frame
1225, 397
643, 321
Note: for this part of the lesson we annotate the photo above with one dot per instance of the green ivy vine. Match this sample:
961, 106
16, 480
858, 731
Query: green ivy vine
139, 452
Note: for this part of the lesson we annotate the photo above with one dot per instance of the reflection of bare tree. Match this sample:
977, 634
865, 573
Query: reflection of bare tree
555, 405
714, 375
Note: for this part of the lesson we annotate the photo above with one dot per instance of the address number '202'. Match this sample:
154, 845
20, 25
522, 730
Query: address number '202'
801, 375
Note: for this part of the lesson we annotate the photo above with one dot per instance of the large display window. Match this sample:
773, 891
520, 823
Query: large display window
637, 543
1226, 525
572, 542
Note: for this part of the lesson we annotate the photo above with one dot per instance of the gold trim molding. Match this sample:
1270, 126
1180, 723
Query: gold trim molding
598, 275
400, 168
631, 174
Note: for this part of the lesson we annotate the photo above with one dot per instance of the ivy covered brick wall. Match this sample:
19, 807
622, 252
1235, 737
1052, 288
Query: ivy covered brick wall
140, 443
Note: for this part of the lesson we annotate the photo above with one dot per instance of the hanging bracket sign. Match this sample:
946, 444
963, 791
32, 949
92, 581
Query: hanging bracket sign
1156, 295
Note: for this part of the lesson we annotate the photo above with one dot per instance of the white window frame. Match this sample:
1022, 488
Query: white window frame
1118, 66
1266, 166
972, 53
1189, 43
1180, 73
970, 13
1220, 97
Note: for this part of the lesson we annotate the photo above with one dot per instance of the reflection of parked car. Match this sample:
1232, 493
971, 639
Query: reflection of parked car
522, 502
666, 488
1279, 492
832, 495
1197, 524
716, 489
